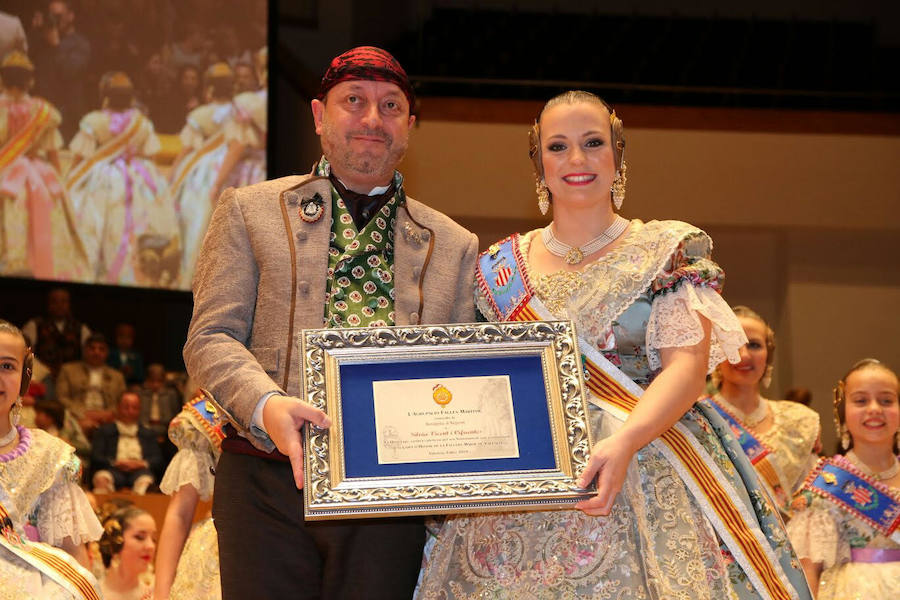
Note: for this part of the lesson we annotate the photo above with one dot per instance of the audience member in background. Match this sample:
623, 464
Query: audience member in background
52, 417
198, 165
187, 568
127, 547
800, 395
159, 403
129, 231
155, 85
38, 472
89, 388
124, 357
63, 57
37, 230
57, 337
125, 454
191, 49
780, 438
845, 519
245, 78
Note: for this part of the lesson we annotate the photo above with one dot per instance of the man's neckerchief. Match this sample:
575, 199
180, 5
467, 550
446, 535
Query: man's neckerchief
362, 207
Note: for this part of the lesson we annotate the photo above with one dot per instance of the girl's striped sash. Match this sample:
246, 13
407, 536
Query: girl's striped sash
210, 145
26, 137
105, 152
52, 562
617, 394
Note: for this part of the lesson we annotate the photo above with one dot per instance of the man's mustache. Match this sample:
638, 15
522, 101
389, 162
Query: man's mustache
379, 133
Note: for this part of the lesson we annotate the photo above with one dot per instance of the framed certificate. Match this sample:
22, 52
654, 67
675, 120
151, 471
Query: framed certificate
444, 419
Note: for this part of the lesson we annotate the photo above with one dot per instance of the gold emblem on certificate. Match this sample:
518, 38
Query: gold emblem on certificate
479, 424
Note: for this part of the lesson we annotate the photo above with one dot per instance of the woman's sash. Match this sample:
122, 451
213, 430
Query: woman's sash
839, 481
52, 562
26, 137
210, 145
105, 152
501, 273
753, 447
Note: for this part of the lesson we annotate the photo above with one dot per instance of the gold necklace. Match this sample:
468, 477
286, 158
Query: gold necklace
889, 473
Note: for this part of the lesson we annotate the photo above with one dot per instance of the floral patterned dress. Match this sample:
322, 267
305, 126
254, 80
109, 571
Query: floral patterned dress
824, 533
657, 543
197, 574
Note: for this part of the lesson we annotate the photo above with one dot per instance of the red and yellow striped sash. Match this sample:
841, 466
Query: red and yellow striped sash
606, 389
106, 151
47, 561
211, 144
26, 137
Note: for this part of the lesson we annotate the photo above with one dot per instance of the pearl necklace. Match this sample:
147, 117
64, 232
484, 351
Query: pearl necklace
876, 475
751, 419
575, 254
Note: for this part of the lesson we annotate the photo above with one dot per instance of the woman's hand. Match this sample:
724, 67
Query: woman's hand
608, 464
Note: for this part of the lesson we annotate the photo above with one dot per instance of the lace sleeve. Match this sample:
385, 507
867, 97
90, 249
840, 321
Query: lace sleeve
190, 467
675, 322
64, 511
191, 136
816, 536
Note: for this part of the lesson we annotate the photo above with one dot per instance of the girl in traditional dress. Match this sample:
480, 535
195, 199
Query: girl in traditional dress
845, 525
127, 222
188, 567
37, 232
678, 511
195, 176
127, 547
39, 473
781, 438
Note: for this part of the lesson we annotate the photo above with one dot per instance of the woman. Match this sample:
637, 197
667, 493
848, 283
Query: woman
127, 549
38, 473
780, 438
37, 232
845, 528
197, 167
190, 570
127, 223
643, 297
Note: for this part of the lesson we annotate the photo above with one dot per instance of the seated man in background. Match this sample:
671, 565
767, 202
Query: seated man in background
124, 357
124, 453
88, 387
52, 417
57, 337
159, 405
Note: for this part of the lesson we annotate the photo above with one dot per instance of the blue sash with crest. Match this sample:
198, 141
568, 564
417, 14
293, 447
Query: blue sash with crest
503, 279
836, 479
753, 447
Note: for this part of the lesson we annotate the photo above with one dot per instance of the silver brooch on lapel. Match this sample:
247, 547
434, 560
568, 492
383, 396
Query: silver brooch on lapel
411, 236
312, 209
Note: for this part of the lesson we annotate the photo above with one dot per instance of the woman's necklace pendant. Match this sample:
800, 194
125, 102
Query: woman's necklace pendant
574, 256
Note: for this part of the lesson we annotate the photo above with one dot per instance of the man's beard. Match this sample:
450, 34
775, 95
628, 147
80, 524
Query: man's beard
339, 152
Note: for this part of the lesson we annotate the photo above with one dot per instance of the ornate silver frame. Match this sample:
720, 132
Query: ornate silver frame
329, 494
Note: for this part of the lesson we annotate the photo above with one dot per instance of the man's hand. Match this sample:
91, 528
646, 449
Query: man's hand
283, 416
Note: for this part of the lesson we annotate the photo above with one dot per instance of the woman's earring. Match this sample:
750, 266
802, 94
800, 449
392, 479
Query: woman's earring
16, 413
618, 187
543, 194
845, 438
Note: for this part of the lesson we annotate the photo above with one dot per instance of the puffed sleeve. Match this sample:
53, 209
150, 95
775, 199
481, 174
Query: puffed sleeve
64, 510
816, 535
151, 143
194, 462
687, 287
191, 135
85, 141
50, 139
240, 127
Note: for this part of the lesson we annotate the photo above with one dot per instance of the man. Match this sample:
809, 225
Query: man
124, 358
58, 337
125, 453
159, 403
88, 387
267, 270
63, 56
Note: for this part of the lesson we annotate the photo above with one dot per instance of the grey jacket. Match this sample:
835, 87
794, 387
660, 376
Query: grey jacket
261, 279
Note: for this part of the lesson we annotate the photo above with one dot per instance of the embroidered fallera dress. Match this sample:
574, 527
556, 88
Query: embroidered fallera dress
197, 574
247, 126
847, 545
125, 218
37, 227
791, 443
658, 542
194, 176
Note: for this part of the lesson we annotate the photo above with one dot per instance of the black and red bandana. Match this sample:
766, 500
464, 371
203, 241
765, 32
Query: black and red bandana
366, 63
